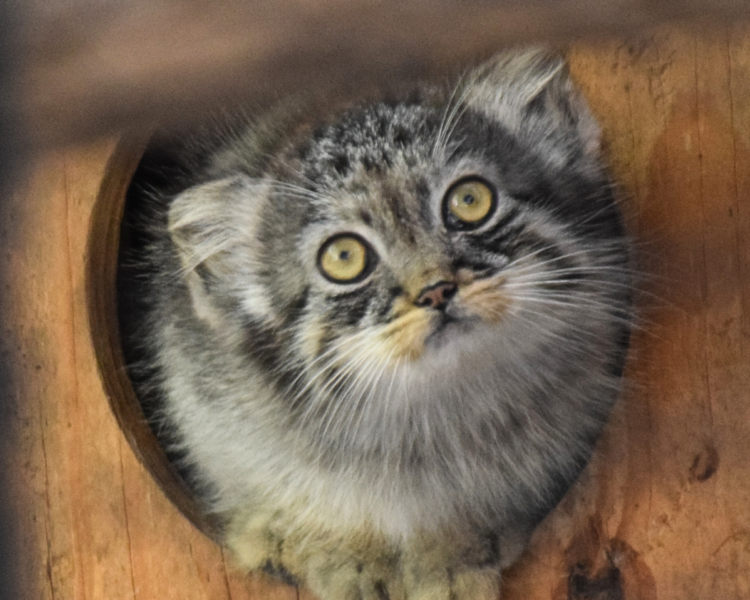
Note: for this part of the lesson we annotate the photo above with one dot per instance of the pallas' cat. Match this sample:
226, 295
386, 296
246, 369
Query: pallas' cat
381, 341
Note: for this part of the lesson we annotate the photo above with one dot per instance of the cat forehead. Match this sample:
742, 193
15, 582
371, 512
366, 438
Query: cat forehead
380, 124
382, 165
383, 150
369, 138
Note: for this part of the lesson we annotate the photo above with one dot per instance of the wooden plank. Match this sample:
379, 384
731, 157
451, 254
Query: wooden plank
25, 417
664, 507
82, 514
664, 504
93, 523
171, 560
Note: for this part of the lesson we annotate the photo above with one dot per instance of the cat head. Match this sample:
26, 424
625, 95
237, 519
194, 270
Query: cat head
413, 240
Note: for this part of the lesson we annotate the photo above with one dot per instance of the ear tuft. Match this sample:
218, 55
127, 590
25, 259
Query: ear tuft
204, 221
210, 225
513, 84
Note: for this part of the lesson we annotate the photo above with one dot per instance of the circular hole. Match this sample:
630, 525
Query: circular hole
104, 246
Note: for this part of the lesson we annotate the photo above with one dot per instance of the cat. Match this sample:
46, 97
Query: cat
382, 341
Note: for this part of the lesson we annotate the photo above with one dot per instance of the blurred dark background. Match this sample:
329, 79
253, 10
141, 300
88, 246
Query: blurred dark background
10, 160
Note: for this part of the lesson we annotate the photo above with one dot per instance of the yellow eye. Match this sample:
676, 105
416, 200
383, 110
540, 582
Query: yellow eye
344, 258
470, 202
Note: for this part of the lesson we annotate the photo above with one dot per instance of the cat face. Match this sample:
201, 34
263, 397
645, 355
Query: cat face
404, 245
409, 252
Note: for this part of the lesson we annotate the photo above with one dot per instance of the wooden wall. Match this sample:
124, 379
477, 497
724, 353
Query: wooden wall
663, 511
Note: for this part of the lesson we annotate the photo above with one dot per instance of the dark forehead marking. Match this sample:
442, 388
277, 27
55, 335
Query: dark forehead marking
341, 164
387, 158
366, 217
373, 128
370, 163
402, 136
426, 215
402, 219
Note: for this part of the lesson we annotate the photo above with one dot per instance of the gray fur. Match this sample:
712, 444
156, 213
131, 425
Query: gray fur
280, 388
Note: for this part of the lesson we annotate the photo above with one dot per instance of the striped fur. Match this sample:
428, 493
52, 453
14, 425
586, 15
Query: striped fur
349, 437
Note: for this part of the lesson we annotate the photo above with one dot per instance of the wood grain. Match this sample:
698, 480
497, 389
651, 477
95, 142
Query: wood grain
663, 510
664, 505
93, 523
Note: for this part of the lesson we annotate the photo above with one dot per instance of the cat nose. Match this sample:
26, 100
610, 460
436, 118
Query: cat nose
437, 295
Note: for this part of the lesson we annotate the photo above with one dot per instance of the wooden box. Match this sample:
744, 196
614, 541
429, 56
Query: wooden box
663, 510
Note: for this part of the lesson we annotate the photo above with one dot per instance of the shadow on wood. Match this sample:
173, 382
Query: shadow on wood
89, 71
662, 510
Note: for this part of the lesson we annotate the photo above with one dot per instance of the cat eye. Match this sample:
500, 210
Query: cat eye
469, 203
346, 258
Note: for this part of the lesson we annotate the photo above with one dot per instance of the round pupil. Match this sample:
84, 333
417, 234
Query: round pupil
470, 201
343, 258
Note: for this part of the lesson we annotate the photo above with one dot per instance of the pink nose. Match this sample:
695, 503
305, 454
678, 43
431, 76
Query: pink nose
437, 295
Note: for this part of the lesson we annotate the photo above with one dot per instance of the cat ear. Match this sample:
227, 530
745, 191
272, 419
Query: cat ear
200, 224
521, 88
208, 224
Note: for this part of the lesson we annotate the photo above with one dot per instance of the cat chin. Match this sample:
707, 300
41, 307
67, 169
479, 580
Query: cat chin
456, 343
446, 327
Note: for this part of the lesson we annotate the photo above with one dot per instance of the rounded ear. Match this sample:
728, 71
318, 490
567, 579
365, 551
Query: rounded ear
200, 224
212, 227
519, 88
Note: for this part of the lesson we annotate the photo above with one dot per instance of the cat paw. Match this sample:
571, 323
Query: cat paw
255, 543
483, 584
331, 578
364, 566
350, 566
453, 566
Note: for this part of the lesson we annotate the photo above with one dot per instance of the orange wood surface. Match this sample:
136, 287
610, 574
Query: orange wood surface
663, 511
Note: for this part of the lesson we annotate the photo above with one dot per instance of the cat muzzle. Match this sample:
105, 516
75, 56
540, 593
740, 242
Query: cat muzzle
437, 296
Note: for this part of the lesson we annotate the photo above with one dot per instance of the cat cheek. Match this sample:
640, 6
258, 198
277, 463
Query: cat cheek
256, 302
490, 307
486, 299
311, 339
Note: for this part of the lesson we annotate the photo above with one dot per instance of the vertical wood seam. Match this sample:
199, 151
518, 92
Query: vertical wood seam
226, 574
71, 284
634, 171
80, 574
127, 520
641, 192
704, 275
737, 209
48, 503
